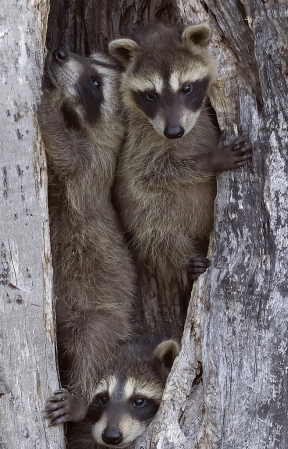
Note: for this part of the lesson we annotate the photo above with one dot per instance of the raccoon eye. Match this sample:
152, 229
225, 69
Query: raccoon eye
187, 89
151, 96
95, 81
139, 402
102, 400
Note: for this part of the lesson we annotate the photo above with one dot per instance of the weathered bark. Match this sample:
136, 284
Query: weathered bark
28, 366
86, 26
236, 327
228, 388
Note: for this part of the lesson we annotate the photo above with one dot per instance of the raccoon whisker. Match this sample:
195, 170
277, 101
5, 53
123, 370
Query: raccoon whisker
80, 91
208, 114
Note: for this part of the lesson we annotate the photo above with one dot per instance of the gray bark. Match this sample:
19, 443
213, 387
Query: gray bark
27, 347
236, 329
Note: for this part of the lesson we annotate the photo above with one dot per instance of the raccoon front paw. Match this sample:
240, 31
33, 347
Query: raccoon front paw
196, 266
62, 407
231, 156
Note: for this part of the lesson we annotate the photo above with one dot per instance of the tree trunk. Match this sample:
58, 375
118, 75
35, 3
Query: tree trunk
28, 372
228, 387
236, 330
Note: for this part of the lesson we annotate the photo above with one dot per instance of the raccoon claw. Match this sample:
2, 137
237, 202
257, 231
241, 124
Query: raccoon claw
231, 156
62, 406
197, 266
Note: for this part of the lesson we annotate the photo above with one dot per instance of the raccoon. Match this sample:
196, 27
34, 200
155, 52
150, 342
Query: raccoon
126, 398
94, 278
165, 181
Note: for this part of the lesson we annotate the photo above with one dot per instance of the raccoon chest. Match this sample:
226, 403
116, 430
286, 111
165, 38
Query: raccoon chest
198, 208
189, 209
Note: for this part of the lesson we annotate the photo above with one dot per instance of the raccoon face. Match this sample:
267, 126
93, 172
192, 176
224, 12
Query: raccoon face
122, 409
126, 401
174, 109
167, 77
86, 85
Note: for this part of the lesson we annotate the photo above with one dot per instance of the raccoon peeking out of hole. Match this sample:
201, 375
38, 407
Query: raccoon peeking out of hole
165, 182
125, 400
94, 284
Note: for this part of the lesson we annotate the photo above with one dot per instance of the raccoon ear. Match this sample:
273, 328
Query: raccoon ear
123, 50
167, 352
197, 35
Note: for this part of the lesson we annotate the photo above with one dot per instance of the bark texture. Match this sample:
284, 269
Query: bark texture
228, 387
86, 26
27, 345
236, 328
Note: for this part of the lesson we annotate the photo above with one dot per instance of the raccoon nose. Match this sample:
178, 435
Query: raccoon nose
173, 132
112, 436
59, 55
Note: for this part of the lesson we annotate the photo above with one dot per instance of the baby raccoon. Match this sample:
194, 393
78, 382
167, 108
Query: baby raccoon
165, 183
93, 273
125, 400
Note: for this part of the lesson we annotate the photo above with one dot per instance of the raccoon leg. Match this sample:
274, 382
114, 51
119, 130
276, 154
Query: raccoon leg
91, 339
63, 407
199, 263
62, 144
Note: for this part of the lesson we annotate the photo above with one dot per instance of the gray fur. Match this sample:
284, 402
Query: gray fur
93, 272
139, 370
166, 198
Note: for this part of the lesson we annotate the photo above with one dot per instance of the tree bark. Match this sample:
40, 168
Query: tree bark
228, 387
28, 372
86, 26
236, 327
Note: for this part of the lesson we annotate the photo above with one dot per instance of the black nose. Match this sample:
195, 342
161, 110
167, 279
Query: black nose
112, 436
173, 132
59, 55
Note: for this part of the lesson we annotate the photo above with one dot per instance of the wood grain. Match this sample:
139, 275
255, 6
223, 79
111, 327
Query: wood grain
27, 347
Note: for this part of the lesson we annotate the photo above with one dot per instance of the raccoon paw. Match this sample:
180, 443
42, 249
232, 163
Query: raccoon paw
231, 156
62, 407
196, 266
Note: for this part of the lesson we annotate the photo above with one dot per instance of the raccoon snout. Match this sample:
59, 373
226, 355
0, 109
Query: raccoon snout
112, 436
60, 55
173, 132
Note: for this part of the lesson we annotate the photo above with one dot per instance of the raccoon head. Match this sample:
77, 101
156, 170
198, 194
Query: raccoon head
128, 397
86, 87
168, 72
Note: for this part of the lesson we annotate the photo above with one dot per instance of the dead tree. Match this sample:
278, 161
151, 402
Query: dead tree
27, 346
228, 387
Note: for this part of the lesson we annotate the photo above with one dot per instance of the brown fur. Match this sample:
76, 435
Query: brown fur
165, 196
93, 273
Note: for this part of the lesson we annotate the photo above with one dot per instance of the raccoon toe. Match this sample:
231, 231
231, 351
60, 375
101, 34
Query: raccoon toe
58, 396
197, 265
62, 413
61, 420
242, 155
63, 406
52, 408
231, 156
56, 400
